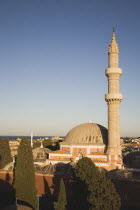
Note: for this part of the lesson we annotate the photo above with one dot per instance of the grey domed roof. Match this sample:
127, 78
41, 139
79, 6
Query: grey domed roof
58, 169
39, 152
49, 169
38, 168
132, 160
119, 174
87, 133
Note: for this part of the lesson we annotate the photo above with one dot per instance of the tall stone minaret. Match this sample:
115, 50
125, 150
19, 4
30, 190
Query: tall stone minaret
113, 99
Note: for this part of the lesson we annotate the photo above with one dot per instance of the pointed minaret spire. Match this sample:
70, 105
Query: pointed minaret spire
113, 52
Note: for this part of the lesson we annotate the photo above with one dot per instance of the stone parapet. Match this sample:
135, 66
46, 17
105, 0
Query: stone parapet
66, 144
113, 71
115, 96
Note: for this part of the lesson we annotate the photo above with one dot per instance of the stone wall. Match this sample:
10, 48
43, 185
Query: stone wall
129, 191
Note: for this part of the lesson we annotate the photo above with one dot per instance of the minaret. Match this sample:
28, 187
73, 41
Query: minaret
113, 99
31, 139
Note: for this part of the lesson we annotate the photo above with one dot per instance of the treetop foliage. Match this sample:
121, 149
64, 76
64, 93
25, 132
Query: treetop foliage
25, 175
5, 153
99, 191
62, 202
45, 142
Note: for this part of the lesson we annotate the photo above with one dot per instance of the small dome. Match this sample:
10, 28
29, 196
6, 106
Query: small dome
119, 174
40, 153
60, 169
49, 169
87, 133
132, 160
38, 168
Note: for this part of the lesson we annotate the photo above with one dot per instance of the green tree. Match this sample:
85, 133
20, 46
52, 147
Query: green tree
5, 153
100, 191
36, 144
47, 142
62, 202
24, 180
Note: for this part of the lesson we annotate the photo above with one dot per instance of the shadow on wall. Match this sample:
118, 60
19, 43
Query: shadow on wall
104, 133
51, 190
23, 205
7, 193
46, 200
8, 196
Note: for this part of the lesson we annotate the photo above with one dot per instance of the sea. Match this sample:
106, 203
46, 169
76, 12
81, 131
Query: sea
10, 138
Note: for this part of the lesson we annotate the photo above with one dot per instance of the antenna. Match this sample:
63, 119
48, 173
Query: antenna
113, 33
113, 29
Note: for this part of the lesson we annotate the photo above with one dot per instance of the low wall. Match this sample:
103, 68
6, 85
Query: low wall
129, 191
44, 183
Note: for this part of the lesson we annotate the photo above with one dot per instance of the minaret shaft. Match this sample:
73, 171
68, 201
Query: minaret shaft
113, 62
113, 99
114, 126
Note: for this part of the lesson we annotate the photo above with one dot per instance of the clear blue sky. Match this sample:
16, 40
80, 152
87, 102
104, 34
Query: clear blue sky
53, 55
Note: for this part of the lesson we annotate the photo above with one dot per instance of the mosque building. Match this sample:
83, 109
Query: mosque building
93, 140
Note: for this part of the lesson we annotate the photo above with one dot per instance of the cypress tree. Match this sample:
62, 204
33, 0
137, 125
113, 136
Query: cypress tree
5, 153
62, 202
100, 191
24, 180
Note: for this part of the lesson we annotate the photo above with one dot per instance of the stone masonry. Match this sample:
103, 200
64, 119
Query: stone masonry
113, 99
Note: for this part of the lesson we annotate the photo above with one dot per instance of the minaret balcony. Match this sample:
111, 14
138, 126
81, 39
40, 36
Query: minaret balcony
113, 71
116, 96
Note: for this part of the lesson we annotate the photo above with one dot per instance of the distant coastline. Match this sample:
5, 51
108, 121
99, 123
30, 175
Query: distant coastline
28, 137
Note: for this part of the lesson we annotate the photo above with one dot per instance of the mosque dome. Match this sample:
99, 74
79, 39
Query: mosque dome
87, 133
